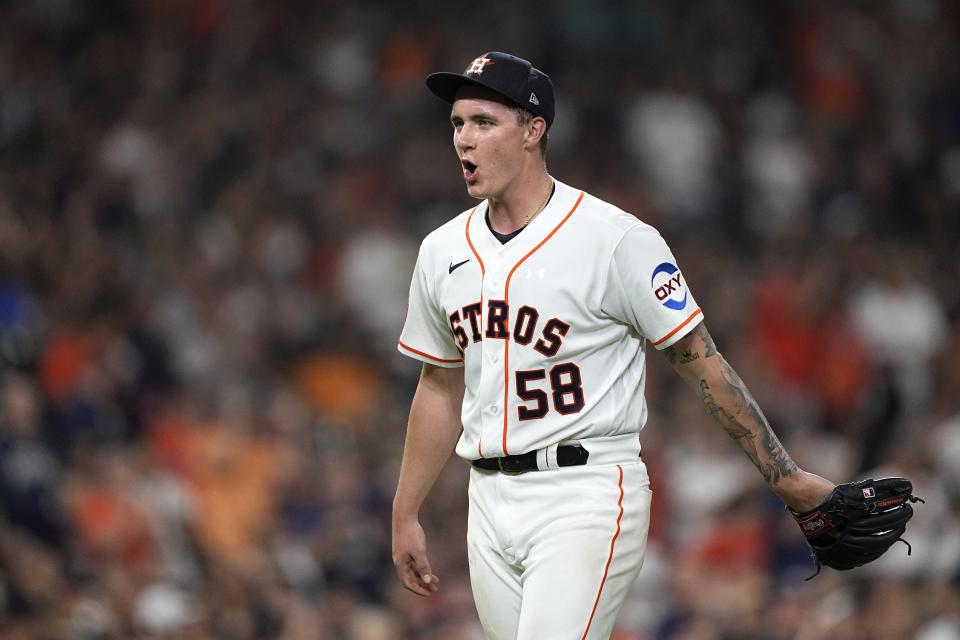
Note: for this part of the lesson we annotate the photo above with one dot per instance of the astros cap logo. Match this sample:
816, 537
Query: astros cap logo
476, 67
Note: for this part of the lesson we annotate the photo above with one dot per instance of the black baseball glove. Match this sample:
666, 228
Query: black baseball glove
858, 522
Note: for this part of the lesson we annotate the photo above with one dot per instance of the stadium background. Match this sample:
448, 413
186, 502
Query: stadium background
209, 211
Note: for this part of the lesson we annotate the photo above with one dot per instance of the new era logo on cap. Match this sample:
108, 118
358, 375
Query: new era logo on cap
513, 78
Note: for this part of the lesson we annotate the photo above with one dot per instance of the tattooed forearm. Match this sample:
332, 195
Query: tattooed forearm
731, 404
708, 401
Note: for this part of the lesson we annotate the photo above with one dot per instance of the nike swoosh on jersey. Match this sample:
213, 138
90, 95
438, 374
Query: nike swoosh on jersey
454, 267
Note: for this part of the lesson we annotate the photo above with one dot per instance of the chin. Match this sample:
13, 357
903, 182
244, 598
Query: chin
476, 191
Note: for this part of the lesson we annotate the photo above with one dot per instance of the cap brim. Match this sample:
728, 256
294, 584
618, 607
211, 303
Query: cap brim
445, 85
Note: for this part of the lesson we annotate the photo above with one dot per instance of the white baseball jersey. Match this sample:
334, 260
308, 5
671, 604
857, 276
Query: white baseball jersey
550, 326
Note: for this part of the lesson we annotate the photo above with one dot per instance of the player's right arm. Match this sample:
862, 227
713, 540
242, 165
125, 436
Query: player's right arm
432, 432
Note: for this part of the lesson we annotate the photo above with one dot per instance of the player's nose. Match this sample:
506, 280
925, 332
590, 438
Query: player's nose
464, 139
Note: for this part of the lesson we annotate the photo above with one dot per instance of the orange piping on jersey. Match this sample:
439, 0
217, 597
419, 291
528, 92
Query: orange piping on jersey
679, 326
427, 355
506, 343
472, 248
606, 569
483, 272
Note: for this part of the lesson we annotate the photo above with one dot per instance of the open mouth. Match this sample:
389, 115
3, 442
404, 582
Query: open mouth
469, 170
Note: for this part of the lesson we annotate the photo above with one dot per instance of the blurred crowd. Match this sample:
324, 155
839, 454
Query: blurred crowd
209, 213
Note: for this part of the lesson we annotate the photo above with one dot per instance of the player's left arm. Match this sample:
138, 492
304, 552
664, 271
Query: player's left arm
728, 401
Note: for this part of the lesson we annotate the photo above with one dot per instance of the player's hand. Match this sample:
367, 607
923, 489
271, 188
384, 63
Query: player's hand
410, 557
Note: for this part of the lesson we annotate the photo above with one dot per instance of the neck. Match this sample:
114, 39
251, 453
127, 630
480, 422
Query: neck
520, 204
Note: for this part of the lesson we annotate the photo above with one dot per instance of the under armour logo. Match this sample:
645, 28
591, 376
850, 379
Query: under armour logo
533, 99
476, 67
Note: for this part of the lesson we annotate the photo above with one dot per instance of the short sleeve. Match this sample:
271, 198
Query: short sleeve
646, 289
426, 335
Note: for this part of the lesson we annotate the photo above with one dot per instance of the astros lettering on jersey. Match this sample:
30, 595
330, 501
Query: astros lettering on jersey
552, 342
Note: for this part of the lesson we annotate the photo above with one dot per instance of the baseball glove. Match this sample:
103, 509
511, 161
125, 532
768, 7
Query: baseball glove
858, 522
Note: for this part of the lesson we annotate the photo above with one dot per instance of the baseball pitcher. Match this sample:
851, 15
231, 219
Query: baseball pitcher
530, 313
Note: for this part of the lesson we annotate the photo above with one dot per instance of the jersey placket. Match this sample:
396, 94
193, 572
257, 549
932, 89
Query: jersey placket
491, 255
496, 357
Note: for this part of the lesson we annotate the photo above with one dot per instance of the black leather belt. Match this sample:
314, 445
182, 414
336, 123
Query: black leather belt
572, 455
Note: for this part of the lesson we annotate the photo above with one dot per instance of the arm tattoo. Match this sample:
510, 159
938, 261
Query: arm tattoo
681, 358
688, 348
727, 399
740, 416
711, 348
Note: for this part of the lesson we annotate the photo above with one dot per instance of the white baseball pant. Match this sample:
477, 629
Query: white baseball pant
554, 553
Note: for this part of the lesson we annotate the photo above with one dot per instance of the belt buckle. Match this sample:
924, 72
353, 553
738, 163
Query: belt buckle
508, 471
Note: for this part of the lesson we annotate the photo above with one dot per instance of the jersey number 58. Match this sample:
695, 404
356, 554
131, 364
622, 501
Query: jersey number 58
566, 386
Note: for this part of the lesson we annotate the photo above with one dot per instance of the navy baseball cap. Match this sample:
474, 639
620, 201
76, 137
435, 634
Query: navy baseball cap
513, 78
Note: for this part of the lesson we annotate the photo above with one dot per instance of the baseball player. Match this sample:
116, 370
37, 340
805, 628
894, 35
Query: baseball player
530, 313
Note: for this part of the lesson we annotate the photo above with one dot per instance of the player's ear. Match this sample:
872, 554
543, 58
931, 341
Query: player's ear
536, 129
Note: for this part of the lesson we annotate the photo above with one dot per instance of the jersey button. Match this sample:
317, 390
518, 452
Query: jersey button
494, 409
494, 358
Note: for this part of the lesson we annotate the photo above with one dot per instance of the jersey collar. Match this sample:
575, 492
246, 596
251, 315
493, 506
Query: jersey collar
488, 246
